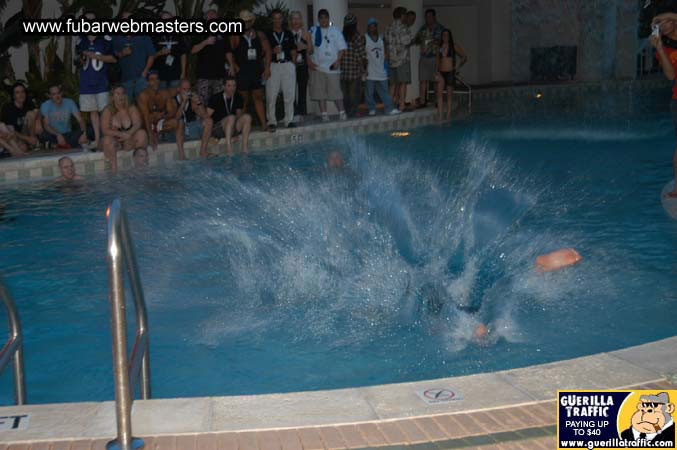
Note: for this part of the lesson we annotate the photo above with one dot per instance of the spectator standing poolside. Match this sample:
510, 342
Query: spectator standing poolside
211, 62
377, 77
304, 47
191, 119
227, 112
398, 37
352, 65
135, 55
153, 106
170, 57
282, 71
446, 71
410, 19
95, 55
56, 121
324, 65
23, 116
248, 59
667, 57
428, 38
121, 126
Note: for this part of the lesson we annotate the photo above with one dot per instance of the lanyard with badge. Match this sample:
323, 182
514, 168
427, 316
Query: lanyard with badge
169, 60
279, 40
298, 38
225, 103
327, 49
251, 52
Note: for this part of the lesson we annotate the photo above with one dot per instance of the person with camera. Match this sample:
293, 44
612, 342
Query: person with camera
211, 61
188, 116
665, 28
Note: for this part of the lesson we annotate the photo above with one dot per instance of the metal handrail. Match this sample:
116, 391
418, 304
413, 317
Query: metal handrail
126, 370
13, 348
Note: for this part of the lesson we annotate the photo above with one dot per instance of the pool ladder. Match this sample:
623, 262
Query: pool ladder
13, 348
126, 369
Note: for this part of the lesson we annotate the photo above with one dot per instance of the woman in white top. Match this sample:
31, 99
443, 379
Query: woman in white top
377, 77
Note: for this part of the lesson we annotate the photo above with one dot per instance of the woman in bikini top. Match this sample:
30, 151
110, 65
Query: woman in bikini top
121, 126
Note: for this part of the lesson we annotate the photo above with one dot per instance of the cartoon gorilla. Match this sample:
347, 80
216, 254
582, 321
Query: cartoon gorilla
652, 420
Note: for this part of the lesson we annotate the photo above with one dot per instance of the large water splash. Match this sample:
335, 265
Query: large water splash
344, 256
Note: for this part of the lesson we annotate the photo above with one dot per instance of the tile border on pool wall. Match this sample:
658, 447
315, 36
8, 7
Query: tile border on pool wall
45, 167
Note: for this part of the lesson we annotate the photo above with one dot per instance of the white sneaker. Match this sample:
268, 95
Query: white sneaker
343, 115
372, 113
394, 112
325, 117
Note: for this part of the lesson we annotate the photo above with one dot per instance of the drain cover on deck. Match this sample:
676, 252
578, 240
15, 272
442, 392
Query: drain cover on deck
433, 396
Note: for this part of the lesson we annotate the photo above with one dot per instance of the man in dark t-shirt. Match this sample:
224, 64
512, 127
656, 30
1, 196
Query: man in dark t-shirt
170, 57
227, 112
23, 115
211, 62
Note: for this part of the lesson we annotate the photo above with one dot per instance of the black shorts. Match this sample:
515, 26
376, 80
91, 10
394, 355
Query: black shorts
249, 77
449, 78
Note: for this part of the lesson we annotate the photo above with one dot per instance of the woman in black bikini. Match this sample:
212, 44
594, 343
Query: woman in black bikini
446, 70
121, 126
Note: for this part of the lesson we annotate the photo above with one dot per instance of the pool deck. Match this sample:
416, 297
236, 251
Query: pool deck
512, 409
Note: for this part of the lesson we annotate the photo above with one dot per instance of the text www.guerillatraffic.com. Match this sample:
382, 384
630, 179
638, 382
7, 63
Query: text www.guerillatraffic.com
70, 26
616, 443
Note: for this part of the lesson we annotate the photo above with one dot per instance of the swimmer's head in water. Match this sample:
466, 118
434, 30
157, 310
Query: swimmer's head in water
67, 168
335, 160
558, 259
481, 331
140, 157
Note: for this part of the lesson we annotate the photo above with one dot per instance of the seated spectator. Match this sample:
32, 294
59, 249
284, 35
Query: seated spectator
211, 62
227, 112
153, 106
282, 72
135, 55
377, 78
352, 65
56, 121
446, 70
140, 157
121, 126
188, 116
9, 141
249, 60
324, 65
171, 56
304, 47
67, 168
398, 38
96, 52
23, 116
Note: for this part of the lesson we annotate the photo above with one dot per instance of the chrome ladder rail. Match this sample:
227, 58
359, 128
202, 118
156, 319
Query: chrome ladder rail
126, 369
13, 348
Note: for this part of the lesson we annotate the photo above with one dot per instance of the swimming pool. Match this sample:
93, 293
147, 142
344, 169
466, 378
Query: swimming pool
274, 274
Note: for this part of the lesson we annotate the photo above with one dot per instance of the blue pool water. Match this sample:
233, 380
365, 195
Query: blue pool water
273, 274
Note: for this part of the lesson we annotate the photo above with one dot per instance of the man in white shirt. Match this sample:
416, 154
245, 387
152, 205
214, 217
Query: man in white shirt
377, 77
325, 75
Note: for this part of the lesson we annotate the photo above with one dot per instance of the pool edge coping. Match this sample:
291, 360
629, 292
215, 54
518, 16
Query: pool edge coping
618, 369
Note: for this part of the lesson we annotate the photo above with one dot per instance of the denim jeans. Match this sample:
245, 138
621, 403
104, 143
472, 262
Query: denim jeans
169, 84
382, 91
134, 87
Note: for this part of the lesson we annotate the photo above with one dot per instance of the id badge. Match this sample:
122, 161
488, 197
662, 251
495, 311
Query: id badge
327, 54
280, 56
299, 58
251, 54
169, 60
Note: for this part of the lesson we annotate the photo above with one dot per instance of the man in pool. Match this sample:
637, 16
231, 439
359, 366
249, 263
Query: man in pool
140, 157
67, 168
335, 160
667, 56
558, 259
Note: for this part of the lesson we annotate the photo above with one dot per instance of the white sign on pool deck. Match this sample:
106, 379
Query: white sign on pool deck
15, 422
433, 396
